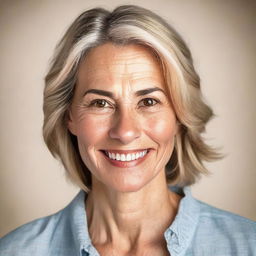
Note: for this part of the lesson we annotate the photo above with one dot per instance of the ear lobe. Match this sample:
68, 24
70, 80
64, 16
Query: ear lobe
71, 123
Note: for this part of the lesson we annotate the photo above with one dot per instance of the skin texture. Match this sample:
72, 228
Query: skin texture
129, 207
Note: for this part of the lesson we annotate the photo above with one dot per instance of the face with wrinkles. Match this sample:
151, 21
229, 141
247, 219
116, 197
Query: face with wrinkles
122, 117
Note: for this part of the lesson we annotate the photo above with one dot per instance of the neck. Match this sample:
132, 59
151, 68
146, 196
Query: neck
131, 218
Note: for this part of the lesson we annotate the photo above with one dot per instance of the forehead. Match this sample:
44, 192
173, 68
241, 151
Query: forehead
110, 61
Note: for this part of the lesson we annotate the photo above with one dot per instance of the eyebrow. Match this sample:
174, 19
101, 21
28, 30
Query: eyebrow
137, 93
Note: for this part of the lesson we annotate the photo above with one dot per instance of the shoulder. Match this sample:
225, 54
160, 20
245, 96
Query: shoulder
215, 216
225, 229
43, 236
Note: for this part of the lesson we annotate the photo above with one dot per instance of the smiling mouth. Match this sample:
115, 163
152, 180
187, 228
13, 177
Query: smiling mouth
125, 157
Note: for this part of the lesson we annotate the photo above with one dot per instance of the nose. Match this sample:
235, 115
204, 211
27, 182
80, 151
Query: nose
125, 127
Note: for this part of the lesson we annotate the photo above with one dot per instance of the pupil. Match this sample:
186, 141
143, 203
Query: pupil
149, 102
101, 103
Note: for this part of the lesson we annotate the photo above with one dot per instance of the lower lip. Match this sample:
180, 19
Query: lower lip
124, 164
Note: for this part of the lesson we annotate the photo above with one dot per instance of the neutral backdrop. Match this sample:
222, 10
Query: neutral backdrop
221, 35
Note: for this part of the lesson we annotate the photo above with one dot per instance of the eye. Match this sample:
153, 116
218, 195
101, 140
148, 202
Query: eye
100, 103
148, 102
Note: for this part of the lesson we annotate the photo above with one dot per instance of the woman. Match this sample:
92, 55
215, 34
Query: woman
124, 113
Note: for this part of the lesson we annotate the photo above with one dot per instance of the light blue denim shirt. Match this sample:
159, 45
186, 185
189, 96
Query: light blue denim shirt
198, 229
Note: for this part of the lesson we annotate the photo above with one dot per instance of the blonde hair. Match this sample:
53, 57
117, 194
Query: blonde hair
128, 24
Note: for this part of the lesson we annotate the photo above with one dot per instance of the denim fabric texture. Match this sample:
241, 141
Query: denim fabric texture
197, 230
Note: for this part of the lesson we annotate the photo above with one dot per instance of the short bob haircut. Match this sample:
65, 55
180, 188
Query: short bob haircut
128, 24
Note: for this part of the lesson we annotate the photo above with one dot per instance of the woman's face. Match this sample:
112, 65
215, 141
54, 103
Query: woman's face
121, 115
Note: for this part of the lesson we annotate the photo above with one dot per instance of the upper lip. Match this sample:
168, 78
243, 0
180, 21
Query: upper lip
115, 151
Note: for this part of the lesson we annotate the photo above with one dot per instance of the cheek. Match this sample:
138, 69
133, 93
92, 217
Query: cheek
161, 129
91, 130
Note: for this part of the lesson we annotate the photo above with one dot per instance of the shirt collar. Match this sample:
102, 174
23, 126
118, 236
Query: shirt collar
78, 223
178, 235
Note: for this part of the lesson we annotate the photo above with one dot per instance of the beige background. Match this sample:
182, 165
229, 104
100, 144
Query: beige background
221, 35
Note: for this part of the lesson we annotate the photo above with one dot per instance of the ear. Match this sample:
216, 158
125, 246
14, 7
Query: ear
71, 124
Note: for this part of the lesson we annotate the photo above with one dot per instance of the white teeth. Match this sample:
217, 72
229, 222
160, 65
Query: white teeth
126, 157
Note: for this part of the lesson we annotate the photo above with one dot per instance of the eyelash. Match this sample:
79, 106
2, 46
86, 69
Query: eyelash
94, 102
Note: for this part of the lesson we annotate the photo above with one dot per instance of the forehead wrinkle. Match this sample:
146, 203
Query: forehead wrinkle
121, 67
122, 61
111, 74
128, 61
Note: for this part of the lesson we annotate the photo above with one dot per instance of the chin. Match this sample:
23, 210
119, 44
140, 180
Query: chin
119, 183
128, 186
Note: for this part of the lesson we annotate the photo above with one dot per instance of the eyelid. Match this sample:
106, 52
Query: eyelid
110, 104
95, 100
157, 101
